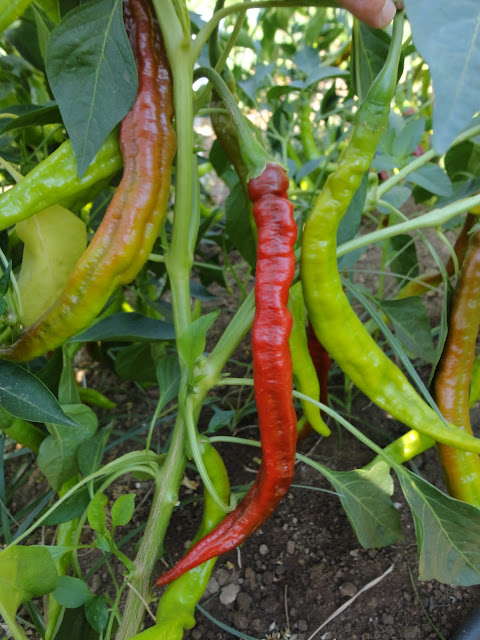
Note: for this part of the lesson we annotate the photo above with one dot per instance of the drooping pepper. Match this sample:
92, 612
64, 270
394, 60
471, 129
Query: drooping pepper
125, 238
48, 263
272, 366
452, 381
335, 323
55, 181
304, 371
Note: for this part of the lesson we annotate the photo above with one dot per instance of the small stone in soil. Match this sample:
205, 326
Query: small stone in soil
229, 593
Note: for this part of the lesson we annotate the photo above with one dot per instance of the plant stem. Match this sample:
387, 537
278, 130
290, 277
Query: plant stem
435, 218
164, 500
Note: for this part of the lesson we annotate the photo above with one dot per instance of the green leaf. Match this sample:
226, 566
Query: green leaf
74, 623
90, 452
449, 41
96, 611
25, 573
127, 327
369, 52
447, 532
412, 326
432, 178
71, 592
365, 496
24, 396
31, 115
168, 376
122, 510
192, 342
96, 512
92, 74
350, 222
238, 225
135, 363
463, 161
73, 507
67, 388
402, 256
57, 456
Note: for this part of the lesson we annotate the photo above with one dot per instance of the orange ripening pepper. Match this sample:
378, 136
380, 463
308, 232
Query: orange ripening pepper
125, 238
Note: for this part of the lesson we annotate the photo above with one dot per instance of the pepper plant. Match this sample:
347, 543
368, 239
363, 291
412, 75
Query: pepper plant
100, 136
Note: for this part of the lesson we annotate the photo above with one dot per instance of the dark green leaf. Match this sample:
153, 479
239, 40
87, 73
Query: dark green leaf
90, 452
72, 508
402, 256
221, 418
365, 496
350, 222
24, 396
432, 178
239, 228
74, 623
127, 327
71, 592
396, 197
168, 376
67, 387
412, 326
463, 161
447, 531
96, 611
135, 363
92, 74
369, 52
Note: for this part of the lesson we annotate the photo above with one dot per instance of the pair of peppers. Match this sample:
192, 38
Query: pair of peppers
131, 224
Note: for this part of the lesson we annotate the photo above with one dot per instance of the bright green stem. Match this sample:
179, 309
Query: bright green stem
435, 218
253, 154
166, 494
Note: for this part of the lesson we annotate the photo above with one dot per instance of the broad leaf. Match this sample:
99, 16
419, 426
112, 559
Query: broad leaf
448, 533
402, 256
365, 496
168, 376
24, 396
127, 327
448, 38
57, 456
96, 512
90, 452
96, 611
25, 573
412, 326
92, 73
71, 592
432, 178
122, 510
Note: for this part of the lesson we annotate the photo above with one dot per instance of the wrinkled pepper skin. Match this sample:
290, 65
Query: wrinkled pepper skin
125, 238
452, 382
336, 325
55, 181
272, 372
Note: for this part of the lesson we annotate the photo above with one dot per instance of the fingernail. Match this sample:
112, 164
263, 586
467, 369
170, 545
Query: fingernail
388, 11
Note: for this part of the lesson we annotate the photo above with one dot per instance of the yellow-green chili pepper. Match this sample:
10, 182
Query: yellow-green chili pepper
304, 374
335, 323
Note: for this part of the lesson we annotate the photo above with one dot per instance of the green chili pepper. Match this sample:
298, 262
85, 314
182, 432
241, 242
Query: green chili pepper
95, 398
176, 608
304, 373
55, 181
21, 431
335, 323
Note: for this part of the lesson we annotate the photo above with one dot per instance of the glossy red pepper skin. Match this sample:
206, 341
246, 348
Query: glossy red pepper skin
272, 372
125, 238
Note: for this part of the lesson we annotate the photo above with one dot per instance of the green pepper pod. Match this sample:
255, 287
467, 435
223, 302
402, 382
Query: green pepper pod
335, 323
21, 431
304, 373
176, 608
55, 181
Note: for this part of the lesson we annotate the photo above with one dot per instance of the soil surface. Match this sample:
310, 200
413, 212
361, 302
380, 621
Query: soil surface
292, 575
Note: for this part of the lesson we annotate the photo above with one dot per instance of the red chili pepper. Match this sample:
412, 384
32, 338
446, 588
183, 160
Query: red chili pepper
272, 372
